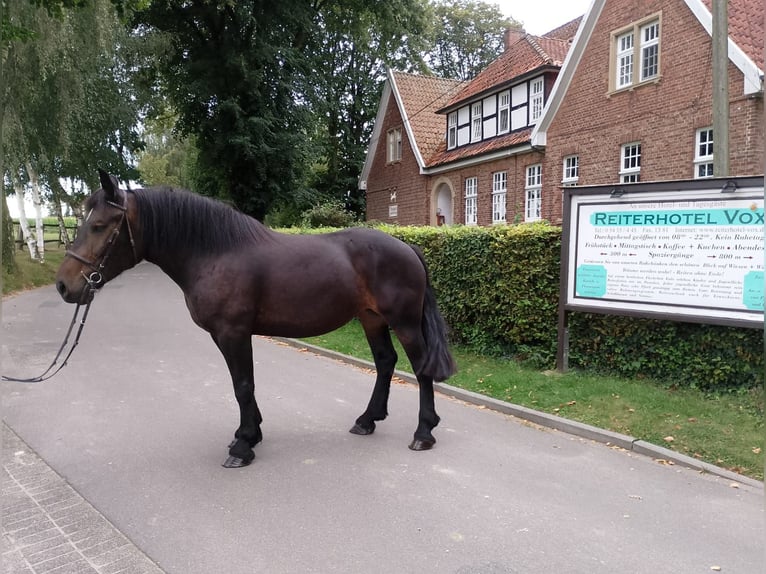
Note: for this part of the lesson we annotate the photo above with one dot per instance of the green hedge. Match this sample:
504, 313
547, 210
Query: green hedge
707, 357
498, 288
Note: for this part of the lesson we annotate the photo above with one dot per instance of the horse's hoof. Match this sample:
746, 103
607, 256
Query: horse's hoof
362, 431
240, 454
422, 444
236, 462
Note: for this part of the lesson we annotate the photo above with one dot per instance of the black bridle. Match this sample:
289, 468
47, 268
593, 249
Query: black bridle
96, 278
93, 281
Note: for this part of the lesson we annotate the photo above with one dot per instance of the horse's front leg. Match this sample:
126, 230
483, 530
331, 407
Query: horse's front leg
238, 352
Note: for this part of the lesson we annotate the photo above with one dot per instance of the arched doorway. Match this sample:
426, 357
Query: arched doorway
443, 203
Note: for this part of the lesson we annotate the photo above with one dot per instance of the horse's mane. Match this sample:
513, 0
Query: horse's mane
176, 219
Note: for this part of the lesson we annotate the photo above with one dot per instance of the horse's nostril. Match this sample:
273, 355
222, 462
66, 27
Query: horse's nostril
61, 288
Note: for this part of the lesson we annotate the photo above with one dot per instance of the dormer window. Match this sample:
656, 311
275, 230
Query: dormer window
476, 122
452, 130
536, 99
504, 112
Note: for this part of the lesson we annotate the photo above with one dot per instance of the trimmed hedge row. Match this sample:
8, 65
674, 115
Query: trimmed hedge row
498, 288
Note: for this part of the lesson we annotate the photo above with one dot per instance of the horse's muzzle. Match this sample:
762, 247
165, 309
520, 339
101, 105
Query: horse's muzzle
72, 296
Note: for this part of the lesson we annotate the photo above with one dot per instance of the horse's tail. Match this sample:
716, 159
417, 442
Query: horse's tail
439, 363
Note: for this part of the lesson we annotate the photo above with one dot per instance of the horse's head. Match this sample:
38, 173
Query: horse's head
104, 246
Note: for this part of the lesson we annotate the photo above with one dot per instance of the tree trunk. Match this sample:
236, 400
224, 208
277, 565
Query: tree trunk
18, 189
34, 182
63, 231
8, 239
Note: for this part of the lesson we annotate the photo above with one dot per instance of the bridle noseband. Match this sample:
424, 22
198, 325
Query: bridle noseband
96, 277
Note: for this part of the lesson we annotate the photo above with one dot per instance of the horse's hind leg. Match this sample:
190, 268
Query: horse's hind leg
379, 338
238, 353
414, 344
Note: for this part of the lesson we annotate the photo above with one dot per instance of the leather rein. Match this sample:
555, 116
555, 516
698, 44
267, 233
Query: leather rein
93, 281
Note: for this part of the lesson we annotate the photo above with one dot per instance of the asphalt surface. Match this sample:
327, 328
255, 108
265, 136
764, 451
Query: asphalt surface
114, 466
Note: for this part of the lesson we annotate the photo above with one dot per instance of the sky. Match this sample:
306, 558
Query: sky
541, 16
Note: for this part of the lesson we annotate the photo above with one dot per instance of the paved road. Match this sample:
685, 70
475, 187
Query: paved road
138, 423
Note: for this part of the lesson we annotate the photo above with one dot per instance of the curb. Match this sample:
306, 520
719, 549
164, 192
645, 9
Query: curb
555, 422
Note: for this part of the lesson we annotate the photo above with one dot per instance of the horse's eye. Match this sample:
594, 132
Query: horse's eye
97, 227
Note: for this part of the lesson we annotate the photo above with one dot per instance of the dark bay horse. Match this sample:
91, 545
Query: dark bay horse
240, 278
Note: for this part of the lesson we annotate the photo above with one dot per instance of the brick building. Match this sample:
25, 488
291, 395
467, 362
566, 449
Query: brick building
437, 140
623, 94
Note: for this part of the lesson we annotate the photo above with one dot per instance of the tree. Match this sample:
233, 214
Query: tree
167, 158
466, 35
230, 71
354, 41
70, 105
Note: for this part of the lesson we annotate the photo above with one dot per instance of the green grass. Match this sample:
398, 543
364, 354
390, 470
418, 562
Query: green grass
725, 430
29, 273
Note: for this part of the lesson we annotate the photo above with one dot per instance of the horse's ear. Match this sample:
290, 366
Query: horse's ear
109, 184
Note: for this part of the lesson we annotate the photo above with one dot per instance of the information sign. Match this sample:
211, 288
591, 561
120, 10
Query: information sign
693, 251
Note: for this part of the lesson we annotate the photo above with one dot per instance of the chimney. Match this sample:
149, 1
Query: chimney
513, 35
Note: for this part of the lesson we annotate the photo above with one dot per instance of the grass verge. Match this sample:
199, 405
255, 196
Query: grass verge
29, 273
725, 430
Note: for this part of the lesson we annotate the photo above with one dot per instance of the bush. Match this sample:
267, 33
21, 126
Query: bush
330, 213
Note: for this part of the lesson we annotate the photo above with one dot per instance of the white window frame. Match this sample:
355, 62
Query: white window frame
624, 63
630, 162
476, 121
636, 53
703, 153
650, 51
452, 130
394, 145
499, 191
570, 170
533, 193
504, 112
471, 200
536, 98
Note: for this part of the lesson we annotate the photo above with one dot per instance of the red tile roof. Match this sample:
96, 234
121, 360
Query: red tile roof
522, 57
443, 156
565, 31
424, 97
746, 22
421, 96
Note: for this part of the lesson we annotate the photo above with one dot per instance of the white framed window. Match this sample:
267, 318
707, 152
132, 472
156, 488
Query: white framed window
536, 100
650, 50
624, 65
636, 54
394, 141
499, 190
471, 200
452, 130
504, 112
703, 153
533, 191
476, 121
630, 163
571, 170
